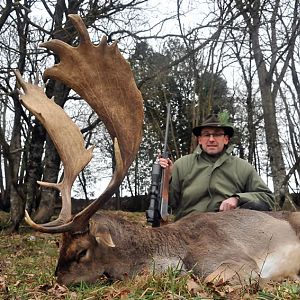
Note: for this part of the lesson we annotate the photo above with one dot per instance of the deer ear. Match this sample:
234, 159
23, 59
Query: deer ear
101, 234
105, 238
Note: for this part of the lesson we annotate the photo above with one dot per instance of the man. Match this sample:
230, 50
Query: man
211, 179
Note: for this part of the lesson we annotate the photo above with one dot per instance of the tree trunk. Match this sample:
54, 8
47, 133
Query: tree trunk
5, 178
48, 196
269, 113
15, 150
34, 166
252, 18
16, 202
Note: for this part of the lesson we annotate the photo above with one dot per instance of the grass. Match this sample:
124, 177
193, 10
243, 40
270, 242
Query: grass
28, 261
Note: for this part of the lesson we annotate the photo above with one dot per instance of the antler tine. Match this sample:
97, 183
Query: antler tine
81, 29
67, 138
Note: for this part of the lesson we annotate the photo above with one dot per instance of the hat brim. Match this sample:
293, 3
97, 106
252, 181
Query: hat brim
227, 129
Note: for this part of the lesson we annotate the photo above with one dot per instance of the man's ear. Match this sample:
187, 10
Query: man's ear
227, 139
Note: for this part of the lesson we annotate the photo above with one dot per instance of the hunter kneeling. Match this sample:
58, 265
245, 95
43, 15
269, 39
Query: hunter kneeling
211, 179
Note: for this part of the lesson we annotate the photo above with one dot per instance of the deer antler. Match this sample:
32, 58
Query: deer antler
66, 137
101, 76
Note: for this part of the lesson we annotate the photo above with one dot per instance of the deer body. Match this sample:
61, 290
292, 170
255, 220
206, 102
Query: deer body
234, 245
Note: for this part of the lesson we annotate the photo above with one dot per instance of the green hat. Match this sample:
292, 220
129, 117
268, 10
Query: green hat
215, 121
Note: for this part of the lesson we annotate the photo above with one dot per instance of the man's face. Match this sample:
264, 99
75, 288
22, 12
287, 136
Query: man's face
213, 140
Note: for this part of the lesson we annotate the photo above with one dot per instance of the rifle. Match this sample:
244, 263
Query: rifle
158, 208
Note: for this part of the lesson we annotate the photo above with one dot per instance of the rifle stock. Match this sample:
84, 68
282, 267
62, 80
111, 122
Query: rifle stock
164, 203
159, 190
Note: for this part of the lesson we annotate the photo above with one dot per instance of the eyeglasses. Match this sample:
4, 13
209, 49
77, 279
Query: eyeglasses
213, 135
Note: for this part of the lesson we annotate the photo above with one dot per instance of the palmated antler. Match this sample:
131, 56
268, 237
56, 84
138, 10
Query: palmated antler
66, 137
101, 76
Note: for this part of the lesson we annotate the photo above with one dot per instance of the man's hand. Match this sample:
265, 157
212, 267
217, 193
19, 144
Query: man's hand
229, 204
167, 165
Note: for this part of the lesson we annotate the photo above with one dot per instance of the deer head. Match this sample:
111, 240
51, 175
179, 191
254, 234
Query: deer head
101, 76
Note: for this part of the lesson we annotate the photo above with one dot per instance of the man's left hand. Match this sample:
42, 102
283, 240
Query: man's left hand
229, 204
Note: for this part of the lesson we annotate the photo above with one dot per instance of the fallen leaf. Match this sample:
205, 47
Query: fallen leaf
192, 286
44, 287
3, 287
124, 293
59, 291
17, 283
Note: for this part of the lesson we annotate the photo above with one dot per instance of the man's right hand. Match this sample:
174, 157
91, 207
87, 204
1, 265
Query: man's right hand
167, 165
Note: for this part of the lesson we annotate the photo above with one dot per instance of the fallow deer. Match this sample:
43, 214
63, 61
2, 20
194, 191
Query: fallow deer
226, 245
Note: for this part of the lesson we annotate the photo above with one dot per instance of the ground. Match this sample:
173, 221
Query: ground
28, 261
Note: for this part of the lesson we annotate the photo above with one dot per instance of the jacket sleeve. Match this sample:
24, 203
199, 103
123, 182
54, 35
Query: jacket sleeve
255, 189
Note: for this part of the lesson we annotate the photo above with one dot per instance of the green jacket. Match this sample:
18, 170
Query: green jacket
201, 183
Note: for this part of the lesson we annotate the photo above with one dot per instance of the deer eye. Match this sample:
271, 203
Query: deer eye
81, 254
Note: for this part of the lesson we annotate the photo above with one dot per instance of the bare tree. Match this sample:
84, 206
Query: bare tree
255, 14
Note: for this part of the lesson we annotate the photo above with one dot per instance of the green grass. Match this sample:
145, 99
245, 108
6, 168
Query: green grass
28, 261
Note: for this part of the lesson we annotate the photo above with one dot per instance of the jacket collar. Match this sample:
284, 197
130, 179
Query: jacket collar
220, 160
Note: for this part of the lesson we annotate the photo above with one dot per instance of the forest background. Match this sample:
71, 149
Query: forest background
236, 56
